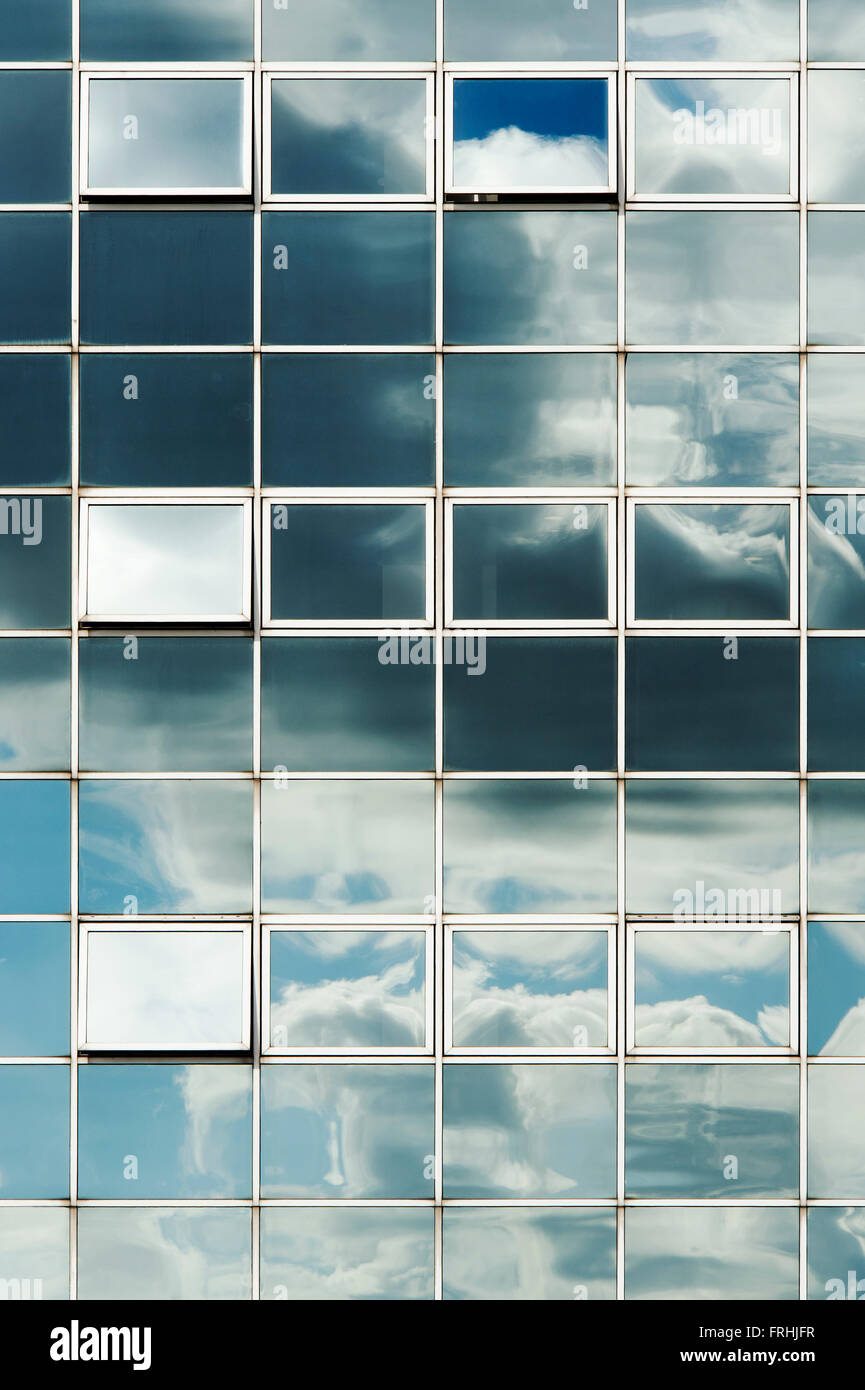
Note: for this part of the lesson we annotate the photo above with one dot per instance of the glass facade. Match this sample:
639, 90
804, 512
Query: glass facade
432, 779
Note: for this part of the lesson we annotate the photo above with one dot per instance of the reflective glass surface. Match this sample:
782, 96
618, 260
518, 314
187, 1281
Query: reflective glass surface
836, 296
836, 686
34, 1140
836, 551
35, 564
156, 31
35, 425
34, 1252
750, 31
836, 855
536, 30
836, 144
36, 116
537, 1253
359, 1253
36, 31
836, 989
696, 1254
164, 1253
34, 704
34, 846
836, 1239
331, 31
836, 1165
836, 29
34, 989
836, 419
35, 269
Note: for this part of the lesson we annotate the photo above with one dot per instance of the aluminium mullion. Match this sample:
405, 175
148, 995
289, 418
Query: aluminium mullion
439, 136
802, 931
620, 935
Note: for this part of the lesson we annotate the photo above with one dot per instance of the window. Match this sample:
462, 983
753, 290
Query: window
36, 112
528, 30
161, 31
35, 277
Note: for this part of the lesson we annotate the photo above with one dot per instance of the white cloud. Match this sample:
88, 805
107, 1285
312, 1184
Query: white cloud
515, 158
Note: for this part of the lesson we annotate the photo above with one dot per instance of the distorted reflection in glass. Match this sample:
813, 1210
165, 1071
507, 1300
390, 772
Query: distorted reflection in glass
529, 277
531, 704
836, 848
40, 32
165, 846
34, 1140
174, 133
356, 562
711, 989
836, 1161
352, 137
35, 569
708, 136
34, 846
836, 1252
166, 561
332, 31
363, 1254
35, 271
696, 1254
720, 714
712, 277
836, 29
34, 1252
836, 294
348, 277
836, 689
166, 31
34, 704
529, 419
348, 420
347, 847
712, 419
35, 398
173, 420
529, 847
711, 1131
836, 989
836, 561
519, 1253
347, 1130
36, 115
516, 1129
530, 561
530, 134
836, 419
712, 561
164, 1253
331, 704
34, 989
186, 1131
168, 704
836, 144
511, 31
739, 30
166, 990
713, 848
529, 989
347, 989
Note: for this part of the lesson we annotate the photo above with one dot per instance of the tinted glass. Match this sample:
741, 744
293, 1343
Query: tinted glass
763, 31
160, 1253
34, 989
836, 688
34, 562
836, 989
836, 1167
34, 1142
383, 31
34, 1252
835, 1239
357, 1253
836, 857
164, 31
34, 414
836, 29
517, 1253
34, 705
836, 296
537, 30
694, 1253
34, 847
35, 157
836, 419
836, 105
836, 547
35, 267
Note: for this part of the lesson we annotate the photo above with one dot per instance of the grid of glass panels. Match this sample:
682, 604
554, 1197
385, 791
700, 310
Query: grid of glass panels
433, 637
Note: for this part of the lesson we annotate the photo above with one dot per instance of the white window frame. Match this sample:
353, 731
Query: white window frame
243, 190
481, 74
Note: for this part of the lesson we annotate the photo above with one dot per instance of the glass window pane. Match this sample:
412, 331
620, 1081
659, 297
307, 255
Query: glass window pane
836, 419
524, 1130
347, 989
331, 704
836, 1236
34, 990
836, 847
836, 547
836, 689
528, 31
707, 136
836, 1164
352, 847
836, 294
731, 707
352, 137
150, 420
358, 420
170, 846
836, 989
345, 277
165, 134
529, 277
35, 270
516, 1253
709, 277
160, 1253
163, 31
695, 1254
164, 1131
359, 563
525, 135
34, 1140
530, 561
836, 29
382, 31
712, 562
166, 990
712, 419
529, 847
34, 1252
545, 704
347, 1130
711, 989
671, 30
35, 426
34, 846
36, 31
35, 562
540, 989
176, 277
836, 106
34, 704
165, 704
530, 419
171, 561
35, 156
358, 1253
713, 848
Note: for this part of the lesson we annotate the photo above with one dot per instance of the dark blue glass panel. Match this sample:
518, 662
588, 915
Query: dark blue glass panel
35, 152
34, 704
35, 432
36, 31
836, 691
156, 31
35, 563
35, 267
